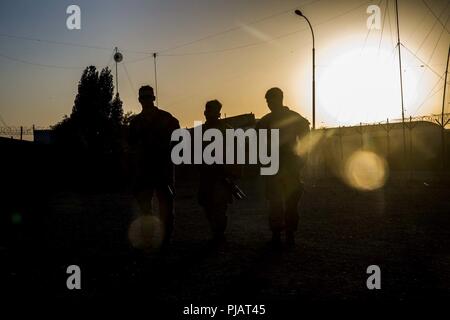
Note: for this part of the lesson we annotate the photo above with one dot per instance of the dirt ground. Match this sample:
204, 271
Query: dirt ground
403, 228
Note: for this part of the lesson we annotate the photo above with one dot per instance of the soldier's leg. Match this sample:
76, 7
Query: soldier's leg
144, 199
220, 219
209, 212
276, 215
217, 220
274, 193
216, 213
292, 216
165, 202
276, 220
224, 197
215, 198
294, 194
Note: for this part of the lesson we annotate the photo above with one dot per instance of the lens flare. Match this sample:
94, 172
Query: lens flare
145, 232
366, 171
16, 218
309, 142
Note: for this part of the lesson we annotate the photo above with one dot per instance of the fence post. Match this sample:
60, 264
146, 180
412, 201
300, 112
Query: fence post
360, 131
388, 136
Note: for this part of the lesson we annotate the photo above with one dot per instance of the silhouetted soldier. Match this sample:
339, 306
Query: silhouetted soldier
215, 191
150, 145
285, 188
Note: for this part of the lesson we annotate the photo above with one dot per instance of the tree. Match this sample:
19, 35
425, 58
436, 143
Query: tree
127, 117
96, 119
117, 116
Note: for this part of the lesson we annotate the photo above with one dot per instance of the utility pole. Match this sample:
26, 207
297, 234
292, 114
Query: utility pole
401, 79
387, 128
341, 147
410, 159
442, 113
156, 77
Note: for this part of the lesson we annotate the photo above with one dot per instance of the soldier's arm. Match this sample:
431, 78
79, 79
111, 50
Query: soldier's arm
176, 124
173, 125
302, 128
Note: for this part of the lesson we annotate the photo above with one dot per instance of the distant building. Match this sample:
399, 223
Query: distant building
422, 149
243, 121
331, 147
43, 136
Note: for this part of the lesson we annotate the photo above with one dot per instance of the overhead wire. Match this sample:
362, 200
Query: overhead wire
263, 41
70, 44
213, 35
383, 26
423, 62
39, 64
150, 55
432, 54
429, 96
3, 121
368, 33
391, 29
432, 28
437, 18
128, 77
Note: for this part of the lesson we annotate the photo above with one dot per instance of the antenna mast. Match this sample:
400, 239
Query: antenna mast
118, 57
401, 78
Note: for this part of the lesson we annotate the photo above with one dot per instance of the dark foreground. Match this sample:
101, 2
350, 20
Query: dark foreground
403, 228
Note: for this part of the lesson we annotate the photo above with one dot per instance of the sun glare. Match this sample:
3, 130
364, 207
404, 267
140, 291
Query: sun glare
363, 86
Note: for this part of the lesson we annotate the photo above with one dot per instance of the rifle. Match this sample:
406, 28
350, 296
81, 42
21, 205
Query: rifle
236, 191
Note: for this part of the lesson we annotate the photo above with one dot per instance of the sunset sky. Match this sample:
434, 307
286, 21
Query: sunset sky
228, 50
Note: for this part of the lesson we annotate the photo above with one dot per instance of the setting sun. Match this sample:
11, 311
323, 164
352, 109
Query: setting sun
362, 85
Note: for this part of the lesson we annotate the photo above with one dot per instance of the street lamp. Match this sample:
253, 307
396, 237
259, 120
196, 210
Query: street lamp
118, 57
299, 13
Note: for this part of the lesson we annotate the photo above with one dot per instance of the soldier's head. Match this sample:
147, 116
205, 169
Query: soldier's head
146, 97
274, 99
212, 110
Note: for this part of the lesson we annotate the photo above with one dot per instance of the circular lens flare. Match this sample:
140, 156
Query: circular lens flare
145, 232
366, 171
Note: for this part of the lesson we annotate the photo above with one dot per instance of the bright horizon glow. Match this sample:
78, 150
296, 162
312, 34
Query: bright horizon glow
364, 86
